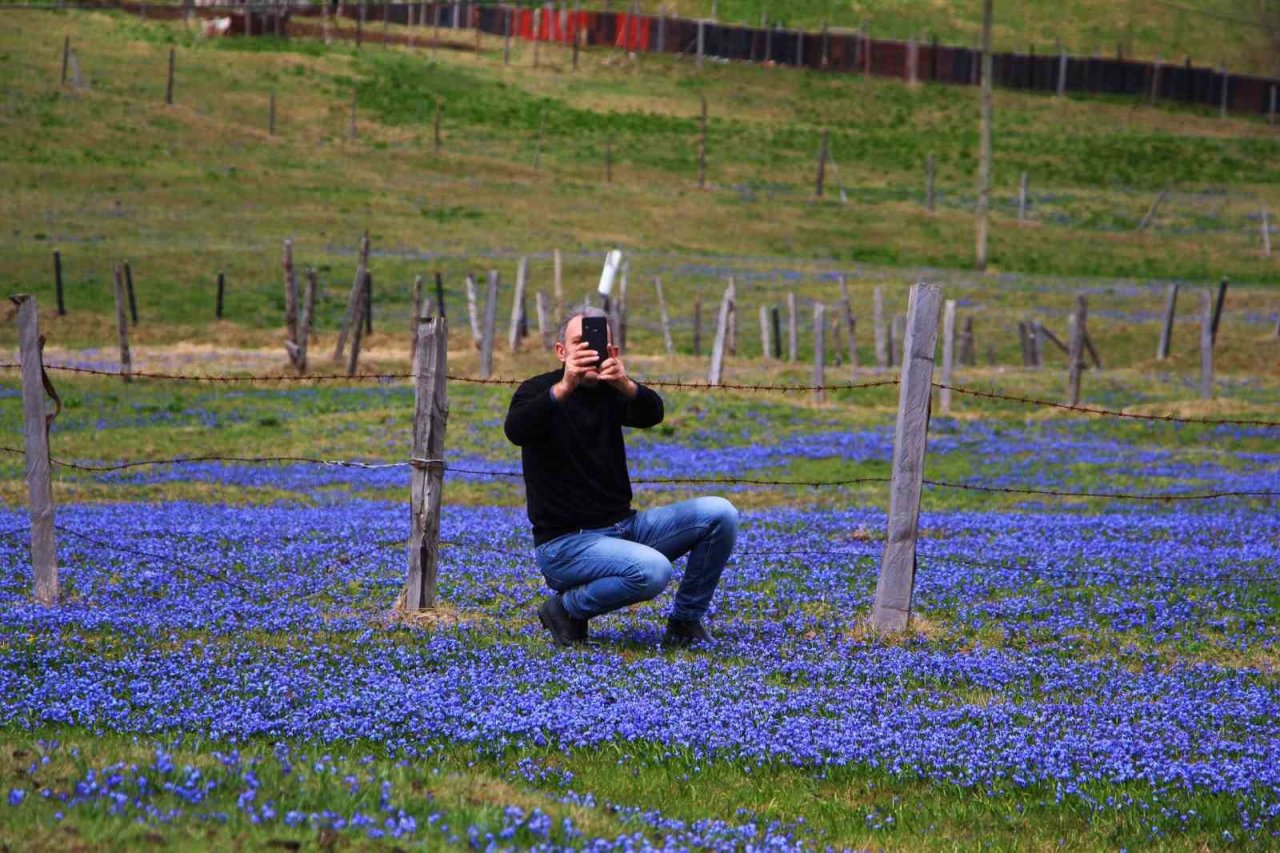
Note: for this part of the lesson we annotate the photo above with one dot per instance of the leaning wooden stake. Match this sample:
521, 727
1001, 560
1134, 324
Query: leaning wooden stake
1151, 211
416, 308
358, 326
1075, 356
129, 293
473, 312
1206, 345
354, 297
819, 352
1166, 329
892, 608
490, 326
431, 414
665, 317
1217, 307
35, 435
122, 325
517, 305
948, 354
722, 330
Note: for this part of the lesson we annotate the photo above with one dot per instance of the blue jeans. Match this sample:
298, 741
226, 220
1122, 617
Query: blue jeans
601, 570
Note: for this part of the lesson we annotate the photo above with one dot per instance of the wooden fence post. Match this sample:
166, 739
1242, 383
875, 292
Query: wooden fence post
896, 582
702, 141
218, 299
473, 311
1206, 345
1166, 329
819, 352
793, 328
58, 282
354, 297
822, 164
122, 324
722, 330
850, 322
984, 142
358, 326
1217, 306
490, 326
1075, 355
517, 305
290, 294
368, 303
667, 343
440, 306
766, 348
544, 325
415, 309
1036, 339
948, 354
168, 91
968, 352
129, 292
877, 321
431, 414
930, 196
731, 334
775, 317
35, 435
66, 56
1150, 216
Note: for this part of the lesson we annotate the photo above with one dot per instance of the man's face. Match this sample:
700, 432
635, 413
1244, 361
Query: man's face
573, 339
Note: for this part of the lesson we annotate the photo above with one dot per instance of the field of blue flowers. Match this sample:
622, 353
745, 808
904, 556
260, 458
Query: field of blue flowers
226, 670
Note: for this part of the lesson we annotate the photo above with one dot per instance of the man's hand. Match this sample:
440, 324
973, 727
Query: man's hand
579, 362
615, 373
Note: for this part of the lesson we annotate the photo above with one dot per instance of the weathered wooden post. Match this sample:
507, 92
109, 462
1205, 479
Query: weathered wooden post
731, 334
775, 317
851, 323
218, 299
1035, 338
1150, 216
1166, 329
306, 321
168, 90
766, 348
290, 294
57, 282
129, 292
877, 321
1075, 354
354, 297
793, 328
1024, 342
701, 41
897, 339
930, 196
415, 308
892, 608
473, 311
490, 324
819, 352
722, 330
667, 343
984, 142
702, 143
66, 56
545, 331
122, 324
431, 414
358, 326
517, 304
35, 441
1217, 306
440, 306
948, 354
1206, 345
822, 164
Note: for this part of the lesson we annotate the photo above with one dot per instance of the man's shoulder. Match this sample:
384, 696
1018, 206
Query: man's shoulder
541, 382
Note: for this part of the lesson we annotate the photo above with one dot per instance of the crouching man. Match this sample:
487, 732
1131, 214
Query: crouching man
594, 550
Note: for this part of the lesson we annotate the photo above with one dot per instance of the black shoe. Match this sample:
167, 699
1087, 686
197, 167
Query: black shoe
565, 630
685, 632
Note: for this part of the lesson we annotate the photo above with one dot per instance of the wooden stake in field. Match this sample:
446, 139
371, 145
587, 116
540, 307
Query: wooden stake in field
490, 326
474, 312
271, 114
775, 317
290, 295
984, 141
948, 354
35, 441
883, 347
517, 305
66, 57
1206, 345
722, 331
544, 325
1166, 328
358, 325
665, 318
1151, 211
1075, 355
415, 309
851, 323
431, 414
217, 304
819, 352
1217, 307
793, 328
122, 325
168, 90
128, 289
354, 297
894, 588
702, 145
57, 282
766, 347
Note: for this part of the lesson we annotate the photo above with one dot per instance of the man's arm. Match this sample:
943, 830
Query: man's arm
644, 410
529, 416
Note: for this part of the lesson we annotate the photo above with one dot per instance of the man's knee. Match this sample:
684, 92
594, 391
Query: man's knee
718, 514
650, 577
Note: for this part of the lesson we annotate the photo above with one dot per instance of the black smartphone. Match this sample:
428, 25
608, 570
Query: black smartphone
595, 334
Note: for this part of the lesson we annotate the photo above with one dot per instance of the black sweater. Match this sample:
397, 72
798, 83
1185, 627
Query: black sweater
575, 462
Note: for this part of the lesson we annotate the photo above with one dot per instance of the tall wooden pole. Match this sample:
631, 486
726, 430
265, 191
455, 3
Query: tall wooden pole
354, 297
517, 305
57, 282
984, 142
667, 343
35, 435
1166, 328
1075, 351
722, 330
489, 329
793, 328
1206, 345
894, 588
766, 346
473, 312
431, 414
948, 354
819, 352
217, 305
1217, 308
122, 325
